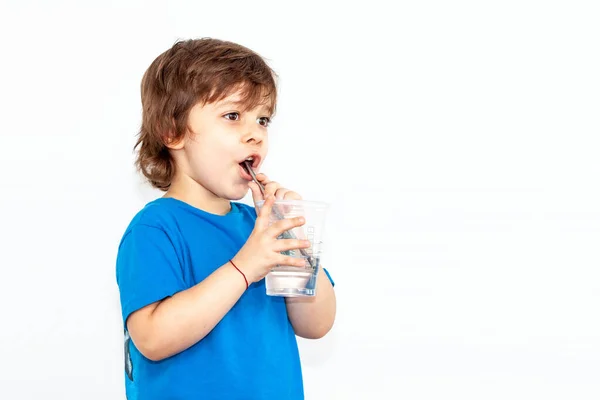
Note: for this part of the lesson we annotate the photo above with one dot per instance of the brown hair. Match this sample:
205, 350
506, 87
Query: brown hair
191, 72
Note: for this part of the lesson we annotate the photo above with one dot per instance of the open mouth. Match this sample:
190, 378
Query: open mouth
253, 159
250, 162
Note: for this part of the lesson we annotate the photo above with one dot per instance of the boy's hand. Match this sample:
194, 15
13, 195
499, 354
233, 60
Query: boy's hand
271, 188
262, 250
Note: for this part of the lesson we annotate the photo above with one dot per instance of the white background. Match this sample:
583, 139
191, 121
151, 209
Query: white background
456, 141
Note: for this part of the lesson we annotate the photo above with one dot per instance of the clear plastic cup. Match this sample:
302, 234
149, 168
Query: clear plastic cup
292, 281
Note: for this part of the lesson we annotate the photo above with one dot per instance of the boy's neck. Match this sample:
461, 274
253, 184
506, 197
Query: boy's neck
187, 190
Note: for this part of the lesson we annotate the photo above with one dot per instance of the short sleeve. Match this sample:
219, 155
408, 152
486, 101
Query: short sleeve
329, 277
148, 269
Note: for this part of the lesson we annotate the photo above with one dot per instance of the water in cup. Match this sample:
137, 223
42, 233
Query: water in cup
292, 281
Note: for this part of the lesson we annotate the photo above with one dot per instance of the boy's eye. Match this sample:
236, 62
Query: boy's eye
264, 121
232, 116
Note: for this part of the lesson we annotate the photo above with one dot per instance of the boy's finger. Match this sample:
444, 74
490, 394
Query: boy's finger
265, 210
271, 188
280, 227
262, 178
281, 193
256, 193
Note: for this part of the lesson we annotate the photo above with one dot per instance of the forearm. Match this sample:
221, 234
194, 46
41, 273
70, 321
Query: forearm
180, 321
313, 317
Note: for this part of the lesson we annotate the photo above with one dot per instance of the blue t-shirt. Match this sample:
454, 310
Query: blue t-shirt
251, 353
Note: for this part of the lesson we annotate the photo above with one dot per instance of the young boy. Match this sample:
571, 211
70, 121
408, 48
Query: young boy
190, 266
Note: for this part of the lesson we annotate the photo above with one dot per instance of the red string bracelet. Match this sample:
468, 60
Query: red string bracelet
235, 266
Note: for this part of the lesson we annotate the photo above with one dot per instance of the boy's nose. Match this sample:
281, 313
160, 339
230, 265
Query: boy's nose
254, 135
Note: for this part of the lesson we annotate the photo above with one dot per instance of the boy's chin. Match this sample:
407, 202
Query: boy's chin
236, 195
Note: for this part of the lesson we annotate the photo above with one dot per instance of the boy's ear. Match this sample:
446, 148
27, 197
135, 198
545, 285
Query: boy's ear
173, 143
170, 138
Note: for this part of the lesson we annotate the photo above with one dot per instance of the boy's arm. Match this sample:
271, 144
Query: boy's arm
313, 317
169, 326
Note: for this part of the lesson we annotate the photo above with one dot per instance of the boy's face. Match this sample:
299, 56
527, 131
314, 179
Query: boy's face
223, 136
